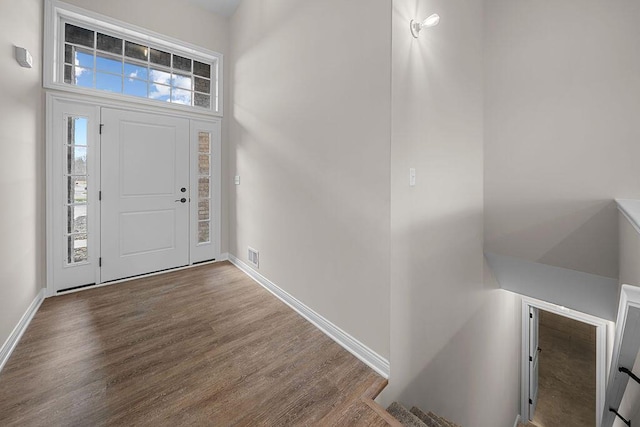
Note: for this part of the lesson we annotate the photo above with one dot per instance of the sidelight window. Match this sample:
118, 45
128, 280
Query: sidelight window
76, 182
204, 187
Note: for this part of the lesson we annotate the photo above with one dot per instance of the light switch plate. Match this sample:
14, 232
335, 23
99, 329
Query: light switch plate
412, 177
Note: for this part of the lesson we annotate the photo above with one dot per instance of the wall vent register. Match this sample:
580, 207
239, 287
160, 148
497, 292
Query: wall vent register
254, 257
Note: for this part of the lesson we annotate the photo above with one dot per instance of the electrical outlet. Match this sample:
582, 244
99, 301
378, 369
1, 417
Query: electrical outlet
236, 179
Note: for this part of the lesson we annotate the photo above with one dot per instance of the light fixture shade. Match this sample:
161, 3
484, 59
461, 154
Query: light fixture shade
431, 21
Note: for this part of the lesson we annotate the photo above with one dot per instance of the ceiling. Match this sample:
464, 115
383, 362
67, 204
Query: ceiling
221, 7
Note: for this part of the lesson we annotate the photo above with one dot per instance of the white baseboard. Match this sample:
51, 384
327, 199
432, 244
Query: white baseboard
515, 424
12, 341
352, 345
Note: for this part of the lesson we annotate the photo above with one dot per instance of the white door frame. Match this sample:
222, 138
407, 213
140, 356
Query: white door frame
601, 326
98, 101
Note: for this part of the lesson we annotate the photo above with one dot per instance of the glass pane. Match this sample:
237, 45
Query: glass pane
77, 35
109, 44
160, 92
201, 100
71, 130
203, 210
82, 77
182, 81
181, 63
68, 72
134, 50
76, 189
77, 130
109, 63
136, 71
179, 96
77, 219
204, 139
203, 164
203, 187
203, 232
203, 85
201, 69
82, 58
161, 58
77, 248
109, 82
135, 87
68, 54
160, 76
76, 160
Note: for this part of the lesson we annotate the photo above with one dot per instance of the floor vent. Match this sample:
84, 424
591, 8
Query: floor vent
254, 257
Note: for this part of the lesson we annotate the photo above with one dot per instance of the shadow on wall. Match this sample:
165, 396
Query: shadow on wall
583, 238
460, 382
310, 138
454, 336
458, 355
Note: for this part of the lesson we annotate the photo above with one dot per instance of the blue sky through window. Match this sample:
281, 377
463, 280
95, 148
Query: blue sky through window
80, 135
110, 67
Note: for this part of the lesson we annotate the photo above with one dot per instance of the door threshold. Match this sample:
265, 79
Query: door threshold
131, 278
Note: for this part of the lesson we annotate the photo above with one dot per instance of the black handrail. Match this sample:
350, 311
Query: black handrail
627, 422
631, 374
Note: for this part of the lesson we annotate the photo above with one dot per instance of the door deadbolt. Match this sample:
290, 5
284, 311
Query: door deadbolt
184, 190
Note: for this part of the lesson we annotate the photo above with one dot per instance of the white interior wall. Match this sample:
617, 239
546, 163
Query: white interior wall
455, 338
562, 132
309, 136
629, 252
22, 241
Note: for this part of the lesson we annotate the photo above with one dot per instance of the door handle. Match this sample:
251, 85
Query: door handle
183, 200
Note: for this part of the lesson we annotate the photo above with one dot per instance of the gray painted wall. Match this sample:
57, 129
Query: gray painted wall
309, 136
454, 335
562, 132
629, 252
22, 256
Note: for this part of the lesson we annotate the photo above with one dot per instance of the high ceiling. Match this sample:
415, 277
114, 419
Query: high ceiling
221, 7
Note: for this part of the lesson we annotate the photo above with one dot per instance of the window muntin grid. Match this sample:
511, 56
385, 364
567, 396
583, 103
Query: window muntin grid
204, 187
76, 180
96, 60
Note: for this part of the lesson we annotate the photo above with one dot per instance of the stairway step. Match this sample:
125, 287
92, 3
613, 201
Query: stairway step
426, 418
443, 421
405, 417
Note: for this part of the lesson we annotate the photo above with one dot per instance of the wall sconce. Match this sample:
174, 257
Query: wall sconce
23, 57
431, 21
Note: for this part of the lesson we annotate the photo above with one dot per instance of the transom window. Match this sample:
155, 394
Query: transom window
118, 60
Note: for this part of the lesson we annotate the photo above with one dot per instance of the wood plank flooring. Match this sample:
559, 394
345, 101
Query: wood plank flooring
204, 346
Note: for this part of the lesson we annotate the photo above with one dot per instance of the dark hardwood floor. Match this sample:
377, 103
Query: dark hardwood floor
204, 346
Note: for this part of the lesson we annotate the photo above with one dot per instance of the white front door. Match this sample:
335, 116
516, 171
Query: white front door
533, 359
145, 193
